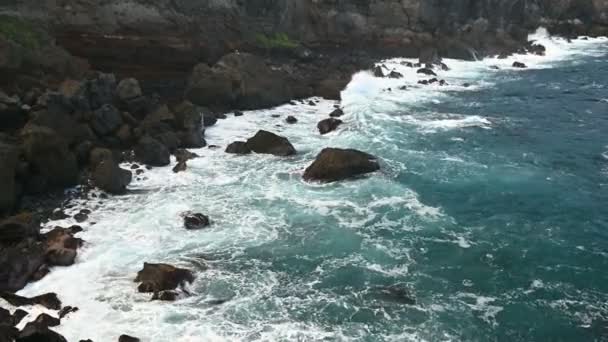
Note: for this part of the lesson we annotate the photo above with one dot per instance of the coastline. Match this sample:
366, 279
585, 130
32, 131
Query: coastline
325, 107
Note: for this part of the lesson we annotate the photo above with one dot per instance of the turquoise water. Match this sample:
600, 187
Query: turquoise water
488, 221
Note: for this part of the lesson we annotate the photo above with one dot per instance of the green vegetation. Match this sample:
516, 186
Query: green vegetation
277, 41
21, 32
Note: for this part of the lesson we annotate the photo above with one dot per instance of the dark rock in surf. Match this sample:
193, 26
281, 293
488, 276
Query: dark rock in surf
328, 125
195, 221
37, 332
167, 296
111, 178
336, 113
181, 166
395, 74
47, 320
426, 71
334, 164
61, 247
18, 315
238, 113
519, 65
291, 119
378, 72
66, 311
238, 147
48, 300
127, 338
182, 155
81, 217
162, 277
269, 143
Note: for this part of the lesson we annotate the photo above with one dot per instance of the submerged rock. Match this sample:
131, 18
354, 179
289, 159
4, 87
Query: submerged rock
182, 155
291, 119
162, 277
327, 125
338, 112
127, 338
334, 164
181, 166
38, 332
395, 74
378, 72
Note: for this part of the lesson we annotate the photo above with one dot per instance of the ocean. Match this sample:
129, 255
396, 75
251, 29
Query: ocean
487, 222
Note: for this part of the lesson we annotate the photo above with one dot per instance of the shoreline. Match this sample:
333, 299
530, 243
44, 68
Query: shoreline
212, 142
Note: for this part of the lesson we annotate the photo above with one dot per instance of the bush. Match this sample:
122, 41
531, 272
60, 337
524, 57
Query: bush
277, 41
20, 32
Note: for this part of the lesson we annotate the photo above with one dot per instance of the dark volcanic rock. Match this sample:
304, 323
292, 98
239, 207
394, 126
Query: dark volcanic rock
334, 164
238, 147
61, 247
151, 152
47, 320
378, 71
127, 338
270, 143
48, 300
194, 221
336, 113
426, 71
52, 163
111, 178
19, 264
18, 228
183, 155
107, 119
167, 296
181, 166
395, 74
327, 125
18, 315
37, 332
291, 119
162, 277
519, 65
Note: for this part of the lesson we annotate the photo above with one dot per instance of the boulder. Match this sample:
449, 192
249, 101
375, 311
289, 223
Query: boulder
18, 228
331, 87
327, 125
209, 117
19, 264
238, 147
184, 155
162, 277
47, 320
48, 300
52, 163
519, 65
195, 221
270, 143
37, 332
127, 338
151, 152
100, 90
395, 74
61, 247
336, 113
378, 72
426, 71
18, 315
110, 177
291, 119
128, 89
9, 155
180, 167
334, 164
238, 113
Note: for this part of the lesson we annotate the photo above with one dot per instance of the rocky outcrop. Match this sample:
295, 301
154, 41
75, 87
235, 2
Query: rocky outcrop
328, 125
269, 143
195, 221
151, 152
334, 164
162, 279
239, 80
48, 300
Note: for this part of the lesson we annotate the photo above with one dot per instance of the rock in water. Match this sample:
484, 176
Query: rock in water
328, 125
151, 152
334, 164
181, 166
182, 155
395, 74
238, 147
162, 277
378, 72
336, 113
127, 338
48, 300
37, 332
196, 221
519, 65
270, 143
426, 71
111, 178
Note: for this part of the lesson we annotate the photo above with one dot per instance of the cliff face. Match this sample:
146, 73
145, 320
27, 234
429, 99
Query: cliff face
177, 33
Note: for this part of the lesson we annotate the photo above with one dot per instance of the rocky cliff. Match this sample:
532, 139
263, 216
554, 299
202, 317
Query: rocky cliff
175, 34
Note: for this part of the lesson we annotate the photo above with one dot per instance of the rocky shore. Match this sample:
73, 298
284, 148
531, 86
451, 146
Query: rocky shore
88, 86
